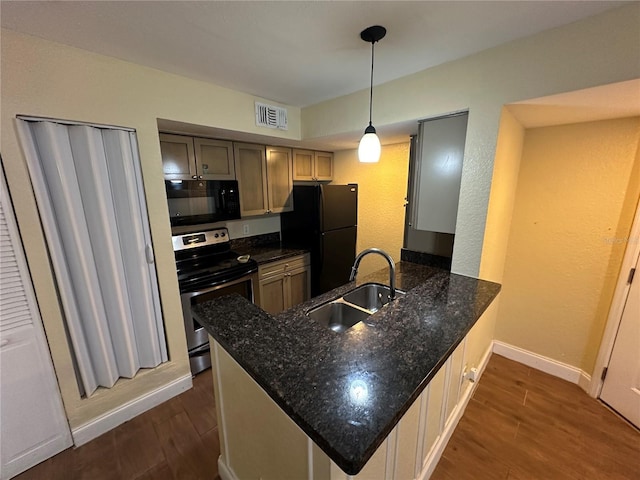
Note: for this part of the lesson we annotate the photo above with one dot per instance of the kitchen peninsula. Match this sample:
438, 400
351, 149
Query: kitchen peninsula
297, 400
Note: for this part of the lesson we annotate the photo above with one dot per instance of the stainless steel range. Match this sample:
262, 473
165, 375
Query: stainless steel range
207, 269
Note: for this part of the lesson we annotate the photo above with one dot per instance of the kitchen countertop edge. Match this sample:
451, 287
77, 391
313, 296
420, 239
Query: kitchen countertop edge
270, 253
237, 309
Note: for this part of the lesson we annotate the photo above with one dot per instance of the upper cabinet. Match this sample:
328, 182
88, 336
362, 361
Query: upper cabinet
251, 170
214, 159
279, 179
265, 174
265, 179
185, 158
312, 166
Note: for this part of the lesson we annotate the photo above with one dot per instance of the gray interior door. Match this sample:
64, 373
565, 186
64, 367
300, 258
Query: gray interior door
435, 173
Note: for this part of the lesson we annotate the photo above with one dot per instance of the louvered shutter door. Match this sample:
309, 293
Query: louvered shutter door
14, 308
34, 425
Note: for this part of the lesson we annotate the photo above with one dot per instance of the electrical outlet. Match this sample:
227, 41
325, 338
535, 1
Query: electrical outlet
471, 375
245, 229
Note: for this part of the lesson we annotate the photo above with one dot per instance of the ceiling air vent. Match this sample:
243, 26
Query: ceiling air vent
271, 116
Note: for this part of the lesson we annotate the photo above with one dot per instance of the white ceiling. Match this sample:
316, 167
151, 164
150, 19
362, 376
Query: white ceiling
297, 53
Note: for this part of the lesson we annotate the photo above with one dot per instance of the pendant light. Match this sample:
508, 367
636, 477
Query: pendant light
369, 148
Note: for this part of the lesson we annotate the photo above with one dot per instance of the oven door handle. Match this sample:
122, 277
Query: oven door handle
229, 280
238, 278
201, 350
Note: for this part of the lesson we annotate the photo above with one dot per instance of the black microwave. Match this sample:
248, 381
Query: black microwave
192, 202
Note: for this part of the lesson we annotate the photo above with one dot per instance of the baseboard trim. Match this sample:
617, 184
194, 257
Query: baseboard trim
584, 382
440, 444
123, 413
224, 471
544, 364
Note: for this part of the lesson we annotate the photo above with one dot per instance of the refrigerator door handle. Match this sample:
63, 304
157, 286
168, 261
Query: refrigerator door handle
320, 260
320, 207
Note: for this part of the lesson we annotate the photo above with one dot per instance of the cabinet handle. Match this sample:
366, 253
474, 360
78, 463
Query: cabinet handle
195, 177
200, 177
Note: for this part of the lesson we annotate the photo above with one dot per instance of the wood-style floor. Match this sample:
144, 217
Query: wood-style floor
177, 440
521, 424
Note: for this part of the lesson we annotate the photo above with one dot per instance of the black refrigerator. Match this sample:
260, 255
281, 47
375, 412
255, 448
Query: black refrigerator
324, 221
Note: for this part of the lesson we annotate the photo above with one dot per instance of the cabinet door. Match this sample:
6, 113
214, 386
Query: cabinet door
303, 168
251, 171
272, 294
178, 157
454, 367
323, 163
214, 159
299, 286
279, 179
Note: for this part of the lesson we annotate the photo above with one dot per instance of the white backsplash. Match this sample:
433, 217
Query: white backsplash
245, 227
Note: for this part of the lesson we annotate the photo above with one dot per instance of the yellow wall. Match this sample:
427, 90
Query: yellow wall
504, 183
42, 78
575, 199
382, 188
595, 51
47, 79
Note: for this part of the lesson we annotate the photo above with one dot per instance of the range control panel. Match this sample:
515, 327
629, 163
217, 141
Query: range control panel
200, 239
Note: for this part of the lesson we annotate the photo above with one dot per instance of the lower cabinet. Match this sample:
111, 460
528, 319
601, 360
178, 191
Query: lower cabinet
261, 441
284, 283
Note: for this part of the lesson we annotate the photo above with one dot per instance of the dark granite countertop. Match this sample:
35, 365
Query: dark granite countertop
312, 372
268, 253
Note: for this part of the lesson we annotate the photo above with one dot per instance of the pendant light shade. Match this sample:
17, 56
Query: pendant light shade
369, 148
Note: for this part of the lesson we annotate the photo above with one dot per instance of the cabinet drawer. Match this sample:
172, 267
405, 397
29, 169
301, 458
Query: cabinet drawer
285, 265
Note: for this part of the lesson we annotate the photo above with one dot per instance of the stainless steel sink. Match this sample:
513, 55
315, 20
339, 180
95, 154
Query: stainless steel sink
343, 313
371, 296
338, 316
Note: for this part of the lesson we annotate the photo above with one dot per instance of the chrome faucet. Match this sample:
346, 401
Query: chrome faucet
392, 268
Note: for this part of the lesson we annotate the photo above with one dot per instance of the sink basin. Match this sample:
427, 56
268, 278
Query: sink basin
343, 313
371, 296
338, 316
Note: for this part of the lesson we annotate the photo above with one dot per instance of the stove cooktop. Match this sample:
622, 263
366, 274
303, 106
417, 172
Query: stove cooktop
205, 260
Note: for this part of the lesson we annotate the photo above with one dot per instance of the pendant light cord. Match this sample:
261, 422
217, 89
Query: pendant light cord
371, 87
